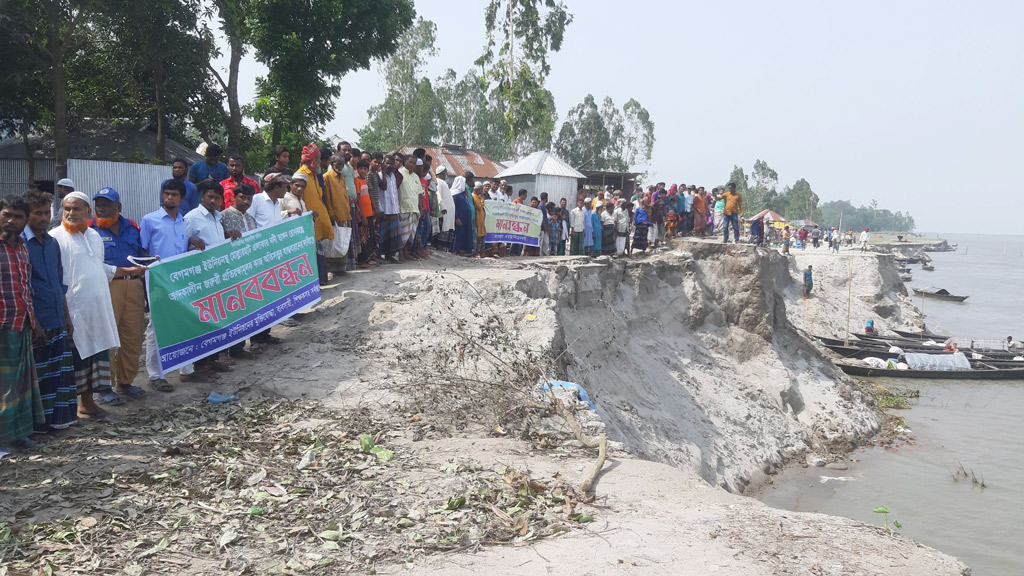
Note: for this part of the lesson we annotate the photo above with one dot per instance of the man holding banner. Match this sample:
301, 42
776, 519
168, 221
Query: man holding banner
204, 302
165, 235
513, 223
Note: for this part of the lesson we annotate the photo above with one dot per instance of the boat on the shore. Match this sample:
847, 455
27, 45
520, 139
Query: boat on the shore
982, 372
938, 294
928, 267
906, 277
923, 335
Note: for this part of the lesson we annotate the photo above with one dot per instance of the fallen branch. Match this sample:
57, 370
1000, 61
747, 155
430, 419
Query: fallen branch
601, 444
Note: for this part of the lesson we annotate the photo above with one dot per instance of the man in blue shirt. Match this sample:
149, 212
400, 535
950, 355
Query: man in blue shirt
211, 169
52, 352
179, 171
808, 280
164, 233
122, 239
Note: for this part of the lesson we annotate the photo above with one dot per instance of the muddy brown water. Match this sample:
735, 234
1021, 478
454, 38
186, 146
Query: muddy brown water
977, 424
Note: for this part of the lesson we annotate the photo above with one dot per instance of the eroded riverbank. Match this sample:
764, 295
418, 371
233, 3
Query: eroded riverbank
701, 380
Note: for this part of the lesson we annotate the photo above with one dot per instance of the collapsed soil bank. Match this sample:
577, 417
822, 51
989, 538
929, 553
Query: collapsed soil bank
693, 361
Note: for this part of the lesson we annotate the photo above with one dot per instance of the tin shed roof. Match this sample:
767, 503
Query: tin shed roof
541, 162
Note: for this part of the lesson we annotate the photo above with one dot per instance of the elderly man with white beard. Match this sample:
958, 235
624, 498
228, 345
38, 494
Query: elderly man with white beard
88, 298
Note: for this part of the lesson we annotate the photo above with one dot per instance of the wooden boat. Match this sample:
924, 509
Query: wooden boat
920, 335
906, 277
927, 267
938, 294
854, 352
982, 372
903, 269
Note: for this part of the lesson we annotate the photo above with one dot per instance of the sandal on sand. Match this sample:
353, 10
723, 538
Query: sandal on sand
100, 415
110, 398
290, 323
161, 385
133, 392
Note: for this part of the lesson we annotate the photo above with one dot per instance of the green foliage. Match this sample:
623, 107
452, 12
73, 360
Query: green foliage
309, 46
606, 138
520, 34
896, 526
858, 218
411, 113
800, 202
471, 118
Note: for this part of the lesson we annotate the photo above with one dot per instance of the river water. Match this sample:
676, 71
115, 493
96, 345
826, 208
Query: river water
977, 425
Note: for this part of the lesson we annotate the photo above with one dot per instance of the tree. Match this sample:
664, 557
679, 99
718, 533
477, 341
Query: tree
518, 65
738, 178
50, 31
606, 138
411, 112
763, 194
802, 203
584, 140
309, 46
471, 118
637, 141
164, 54
25, 98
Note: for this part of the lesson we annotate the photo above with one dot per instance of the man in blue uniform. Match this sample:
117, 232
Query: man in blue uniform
121, 239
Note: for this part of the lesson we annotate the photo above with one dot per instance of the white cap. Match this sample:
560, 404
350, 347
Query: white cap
66, 182
299, 176
79, 196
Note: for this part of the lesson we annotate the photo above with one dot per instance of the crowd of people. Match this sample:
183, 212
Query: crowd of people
73, 309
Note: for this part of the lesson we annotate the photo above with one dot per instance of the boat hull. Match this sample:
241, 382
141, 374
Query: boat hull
980, 374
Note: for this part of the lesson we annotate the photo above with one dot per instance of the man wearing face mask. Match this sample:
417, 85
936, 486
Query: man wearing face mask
122, 240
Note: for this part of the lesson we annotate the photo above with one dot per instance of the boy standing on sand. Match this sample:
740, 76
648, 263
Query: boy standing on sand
808, 281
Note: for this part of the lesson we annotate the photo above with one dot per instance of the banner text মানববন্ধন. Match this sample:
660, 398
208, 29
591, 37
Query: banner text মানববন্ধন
203, 302
512, 223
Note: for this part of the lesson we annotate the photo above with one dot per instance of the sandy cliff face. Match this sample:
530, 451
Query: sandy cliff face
692, 361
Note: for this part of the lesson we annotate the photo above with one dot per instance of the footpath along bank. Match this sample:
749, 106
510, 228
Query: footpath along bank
702, 383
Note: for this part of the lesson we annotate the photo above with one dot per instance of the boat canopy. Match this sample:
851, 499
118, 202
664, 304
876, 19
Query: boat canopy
943, 362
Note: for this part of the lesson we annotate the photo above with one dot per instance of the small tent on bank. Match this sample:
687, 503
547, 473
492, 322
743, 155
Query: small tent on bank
543, 172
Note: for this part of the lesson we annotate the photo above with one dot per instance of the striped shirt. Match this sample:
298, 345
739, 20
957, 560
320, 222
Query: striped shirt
15, 286
389, 196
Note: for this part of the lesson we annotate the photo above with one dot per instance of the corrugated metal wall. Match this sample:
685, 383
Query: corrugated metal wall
137, 184
557, 187
14, 175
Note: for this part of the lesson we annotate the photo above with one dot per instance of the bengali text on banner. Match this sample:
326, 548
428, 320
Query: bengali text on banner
203, 302
512, 223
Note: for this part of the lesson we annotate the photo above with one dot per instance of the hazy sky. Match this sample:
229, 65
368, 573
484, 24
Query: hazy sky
918, 104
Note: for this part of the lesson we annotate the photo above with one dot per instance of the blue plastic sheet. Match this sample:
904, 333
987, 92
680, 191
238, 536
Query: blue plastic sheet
571, 386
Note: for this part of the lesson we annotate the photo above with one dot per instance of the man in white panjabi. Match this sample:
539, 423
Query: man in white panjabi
89, 307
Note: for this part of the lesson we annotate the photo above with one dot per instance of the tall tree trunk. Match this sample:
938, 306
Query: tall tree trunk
234, 109
29, 155
275, 136
161, 107
60, 116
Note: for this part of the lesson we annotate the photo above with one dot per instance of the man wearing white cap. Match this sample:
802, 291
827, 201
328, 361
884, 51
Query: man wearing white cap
64, 187
88, 298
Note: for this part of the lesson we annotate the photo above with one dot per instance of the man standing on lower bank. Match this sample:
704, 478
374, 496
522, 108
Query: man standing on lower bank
808, 281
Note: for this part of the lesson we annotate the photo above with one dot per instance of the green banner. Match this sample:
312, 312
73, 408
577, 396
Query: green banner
512, 223
203, 302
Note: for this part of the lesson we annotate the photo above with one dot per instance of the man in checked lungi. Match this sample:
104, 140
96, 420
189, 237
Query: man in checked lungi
21, 407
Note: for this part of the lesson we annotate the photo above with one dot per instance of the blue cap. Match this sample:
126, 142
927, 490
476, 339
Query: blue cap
109, 194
